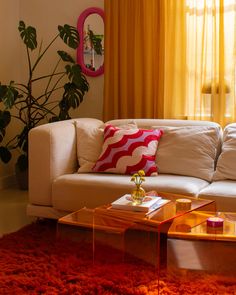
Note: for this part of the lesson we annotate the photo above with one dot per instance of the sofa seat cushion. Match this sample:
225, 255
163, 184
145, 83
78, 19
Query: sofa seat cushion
71, 192
223, 192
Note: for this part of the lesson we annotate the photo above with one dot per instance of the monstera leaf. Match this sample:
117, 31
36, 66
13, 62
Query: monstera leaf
28, 35
8, 95
75, 75
5, 154
65, 56
69, 35
5, 118
72, 95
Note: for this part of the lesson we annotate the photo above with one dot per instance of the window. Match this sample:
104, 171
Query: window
210, 58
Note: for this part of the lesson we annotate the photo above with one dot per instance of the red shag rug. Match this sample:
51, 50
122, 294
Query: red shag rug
34, 261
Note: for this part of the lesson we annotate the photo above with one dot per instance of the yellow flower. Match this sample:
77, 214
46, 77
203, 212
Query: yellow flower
138, 178
141, 173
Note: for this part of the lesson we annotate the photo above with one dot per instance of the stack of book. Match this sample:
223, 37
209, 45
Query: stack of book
149, 204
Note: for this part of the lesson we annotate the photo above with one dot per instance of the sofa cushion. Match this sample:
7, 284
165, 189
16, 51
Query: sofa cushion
189, 151
74, 191
127, 151
223, 192
226, 167
90, 142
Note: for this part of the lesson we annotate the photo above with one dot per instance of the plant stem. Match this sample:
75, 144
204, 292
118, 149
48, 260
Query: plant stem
45, 50
53, 73
54, 88
46, 76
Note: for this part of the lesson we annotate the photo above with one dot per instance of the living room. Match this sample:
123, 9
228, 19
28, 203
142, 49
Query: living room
139, 84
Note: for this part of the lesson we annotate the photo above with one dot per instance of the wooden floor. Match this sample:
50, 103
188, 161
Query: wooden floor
13, 210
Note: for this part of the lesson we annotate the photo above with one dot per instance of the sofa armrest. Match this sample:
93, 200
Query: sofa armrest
52, 152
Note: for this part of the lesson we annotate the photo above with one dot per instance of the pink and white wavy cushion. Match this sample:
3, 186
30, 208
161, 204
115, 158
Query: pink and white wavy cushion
127, 151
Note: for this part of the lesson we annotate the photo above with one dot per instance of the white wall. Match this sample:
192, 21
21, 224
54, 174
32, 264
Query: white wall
45, 16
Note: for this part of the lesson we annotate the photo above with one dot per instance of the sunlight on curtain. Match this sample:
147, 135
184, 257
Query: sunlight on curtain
133, 60
200, 73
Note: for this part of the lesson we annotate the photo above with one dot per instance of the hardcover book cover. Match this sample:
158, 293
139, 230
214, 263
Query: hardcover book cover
125, 203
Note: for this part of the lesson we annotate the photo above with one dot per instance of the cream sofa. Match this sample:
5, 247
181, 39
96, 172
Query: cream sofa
194, 158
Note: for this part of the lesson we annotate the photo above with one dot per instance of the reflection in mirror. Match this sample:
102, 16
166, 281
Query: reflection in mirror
90, 53
93, 42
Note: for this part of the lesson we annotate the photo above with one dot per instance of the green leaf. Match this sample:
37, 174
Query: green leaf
69, 35
2, 134
8, 95
75, 75
54, 119
5, 154
22, 162
5, 118
65, 56
96, 42
71, 94
23, 139
28, 35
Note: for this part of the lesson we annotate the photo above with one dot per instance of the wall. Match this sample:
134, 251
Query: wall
45, 16
9, 61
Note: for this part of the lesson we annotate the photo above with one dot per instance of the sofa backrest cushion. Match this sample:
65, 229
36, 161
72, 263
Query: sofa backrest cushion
226, 164
90, 136
189, 151
126, 151
89, 143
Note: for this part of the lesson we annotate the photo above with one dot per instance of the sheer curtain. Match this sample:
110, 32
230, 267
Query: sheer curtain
133, 59
200, 51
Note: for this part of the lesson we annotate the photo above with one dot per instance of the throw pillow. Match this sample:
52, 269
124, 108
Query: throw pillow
225, 168
127, 151
189, 151
89, 143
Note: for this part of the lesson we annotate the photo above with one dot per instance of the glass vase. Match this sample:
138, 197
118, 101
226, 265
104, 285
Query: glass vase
137, 195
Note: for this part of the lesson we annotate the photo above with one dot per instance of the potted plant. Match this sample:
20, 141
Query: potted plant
20, 101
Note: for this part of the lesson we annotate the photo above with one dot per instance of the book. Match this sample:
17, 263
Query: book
157, 205
125, 203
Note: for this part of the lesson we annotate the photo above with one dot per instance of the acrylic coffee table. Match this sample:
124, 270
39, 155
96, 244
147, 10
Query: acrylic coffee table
131, 233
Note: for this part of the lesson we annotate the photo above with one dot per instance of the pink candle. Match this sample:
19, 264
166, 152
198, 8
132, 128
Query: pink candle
215, 221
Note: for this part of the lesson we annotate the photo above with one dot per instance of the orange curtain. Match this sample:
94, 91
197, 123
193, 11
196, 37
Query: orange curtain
133, 59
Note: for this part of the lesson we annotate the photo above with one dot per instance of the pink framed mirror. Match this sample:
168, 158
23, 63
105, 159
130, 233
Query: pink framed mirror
90, 52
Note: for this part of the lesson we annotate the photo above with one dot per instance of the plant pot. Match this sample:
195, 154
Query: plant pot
22, 178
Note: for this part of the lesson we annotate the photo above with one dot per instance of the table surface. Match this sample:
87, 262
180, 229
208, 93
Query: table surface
193, 226
107, 218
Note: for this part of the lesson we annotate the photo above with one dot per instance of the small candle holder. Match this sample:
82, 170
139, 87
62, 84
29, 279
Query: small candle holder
215, 222
183, 205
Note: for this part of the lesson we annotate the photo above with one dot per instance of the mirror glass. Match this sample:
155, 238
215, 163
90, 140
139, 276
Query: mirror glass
90, 53
93, 50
